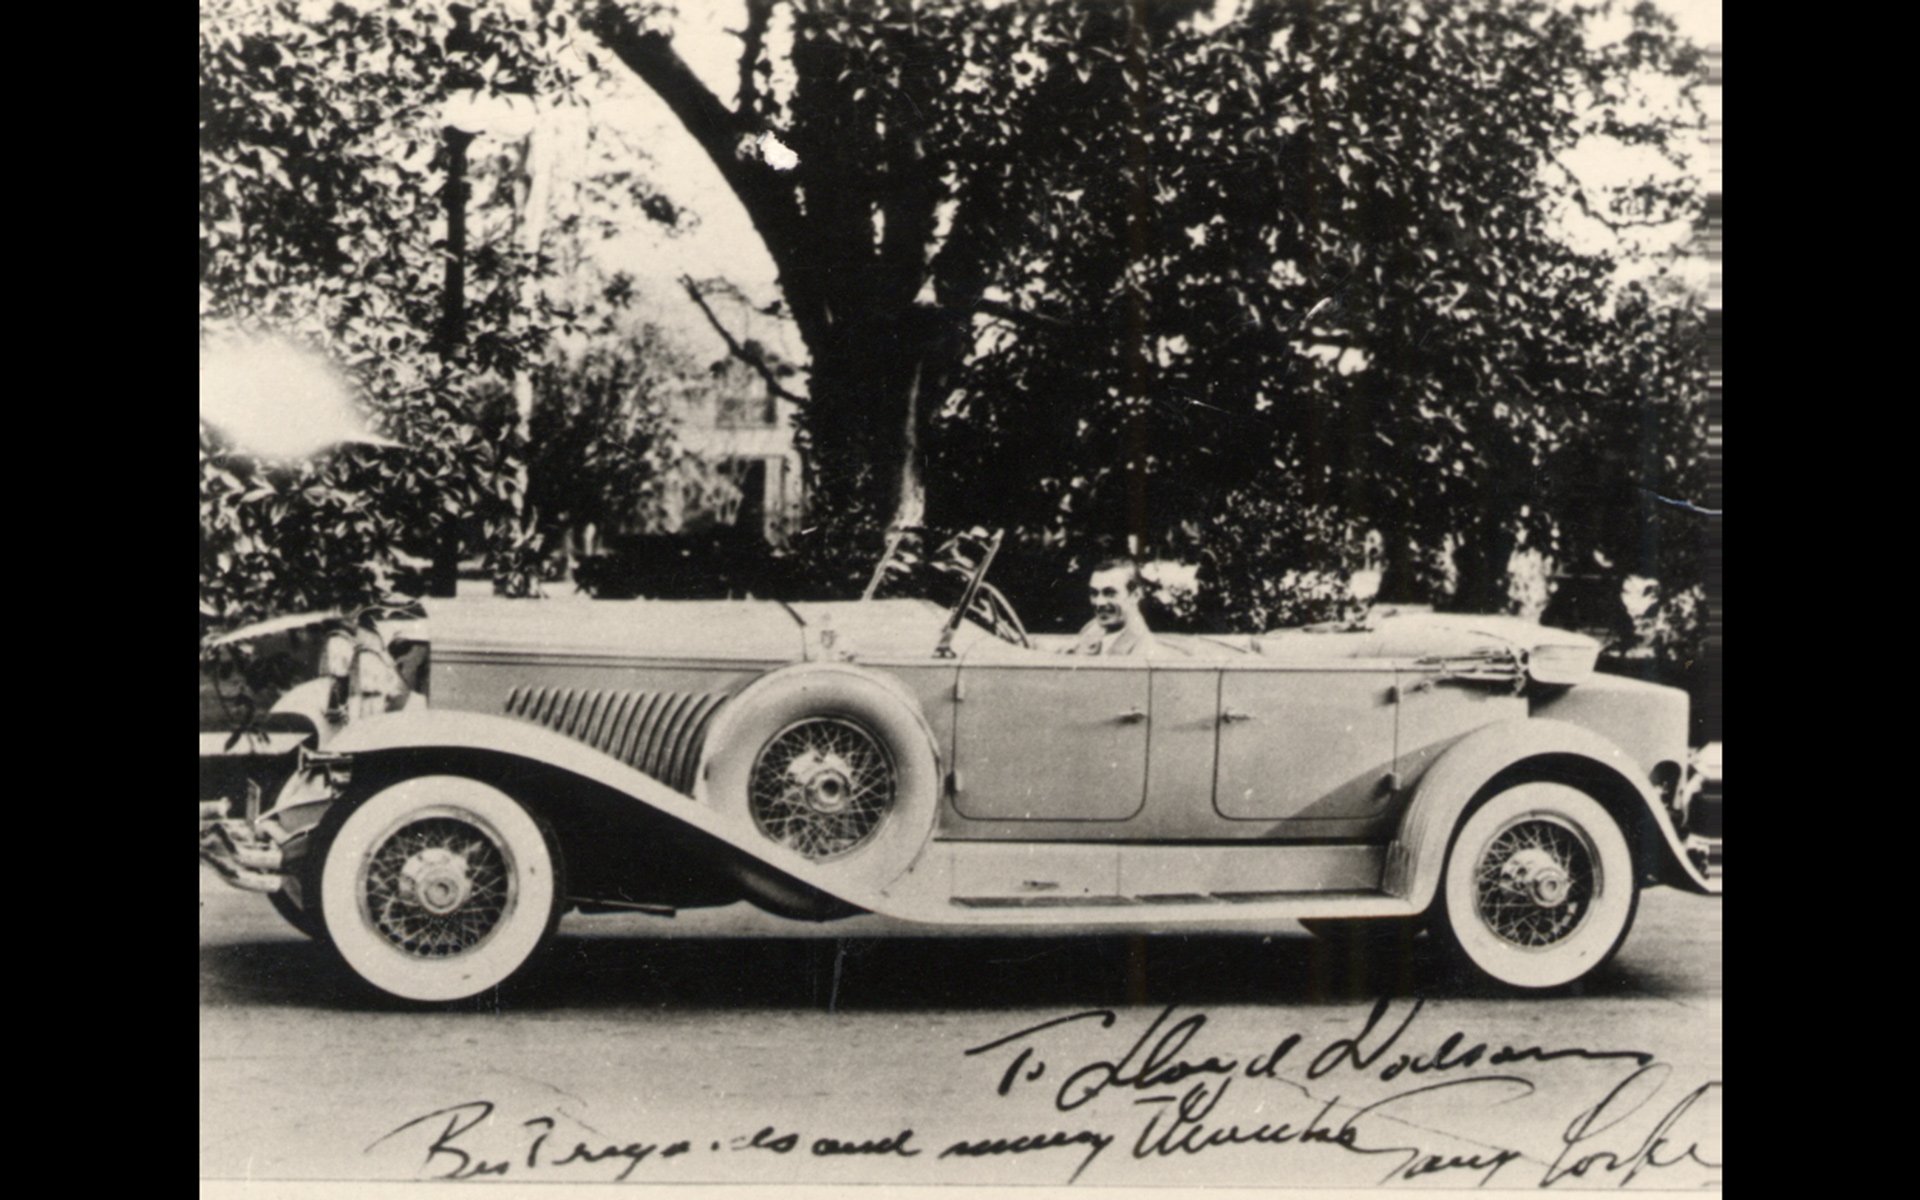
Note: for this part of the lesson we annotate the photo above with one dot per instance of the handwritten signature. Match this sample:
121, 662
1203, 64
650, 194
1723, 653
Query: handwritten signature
1184, 1102
448, 1156
1184, 1087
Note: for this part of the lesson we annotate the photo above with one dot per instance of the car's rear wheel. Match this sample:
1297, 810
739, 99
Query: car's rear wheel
1539, 888
828, 766
439, 887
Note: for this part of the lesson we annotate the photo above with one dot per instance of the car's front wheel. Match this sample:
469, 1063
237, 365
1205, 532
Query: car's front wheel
301, 919
439, 887
1539, 888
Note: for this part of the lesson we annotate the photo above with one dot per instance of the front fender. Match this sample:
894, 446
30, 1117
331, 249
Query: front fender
308, 702
432, 730
1417, 856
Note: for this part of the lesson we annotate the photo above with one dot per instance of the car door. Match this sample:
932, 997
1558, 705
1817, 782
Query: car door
1043, 737
1305, 743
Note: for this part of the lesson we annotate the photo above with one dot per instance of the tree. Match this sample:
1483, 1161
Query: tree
1102, 272
343, 209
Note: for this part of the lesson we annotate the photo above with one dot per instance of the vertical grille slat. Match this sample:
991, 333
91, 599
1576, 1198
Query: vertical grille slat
658, 733
657, 737
671, 752
608, 737
590, 723
615, 699
560, 717
643, 717
697, 737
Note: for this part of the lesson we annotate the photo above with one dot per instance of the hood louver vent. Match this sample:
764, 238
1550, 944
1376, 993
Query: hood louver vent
657, 733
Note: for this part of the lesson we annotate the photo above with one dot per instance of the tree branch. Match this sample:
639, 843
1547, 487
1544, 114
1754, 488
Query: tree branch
746, 355
1578, 193
1019, 316
766, 194
753, 38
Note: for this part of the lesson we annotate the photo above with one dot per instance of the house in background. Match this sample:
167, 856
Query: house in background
748, 473
745, 471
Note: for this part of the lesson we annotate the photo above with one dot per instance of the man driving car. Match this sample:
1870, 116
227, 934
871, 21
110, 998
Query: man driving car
1117, 626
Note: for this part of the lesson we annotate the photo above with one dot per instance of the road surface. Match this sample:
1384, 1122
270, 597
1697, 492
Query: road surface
648, 1050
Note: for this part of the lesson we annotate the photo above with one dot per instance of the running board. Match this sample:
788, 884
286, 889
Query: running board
1211, 898
1121, 886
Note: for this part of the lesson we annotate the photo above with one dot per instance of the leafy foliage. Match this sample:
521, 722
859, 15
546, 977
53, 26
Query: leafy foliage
1232, 289
329, 165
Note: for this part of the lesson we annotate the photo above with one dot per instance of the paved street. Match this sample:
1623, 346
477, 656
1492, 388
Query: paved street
656, 1051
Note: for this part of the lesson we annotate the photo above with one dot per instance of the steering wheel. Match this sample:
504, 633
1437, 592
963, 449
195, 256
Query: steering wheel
993, 612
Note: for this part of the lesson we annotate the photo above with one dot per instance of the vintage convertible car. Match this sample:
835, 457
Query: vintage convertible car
1472, 776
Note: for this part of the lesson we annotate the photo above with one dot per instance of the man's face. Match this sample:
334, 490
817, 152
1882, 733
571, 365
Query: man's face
1114, 601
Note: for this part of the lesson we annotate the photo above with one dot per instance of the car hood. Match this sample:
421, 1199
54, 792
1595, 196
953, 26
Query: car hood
745, 630
578, 625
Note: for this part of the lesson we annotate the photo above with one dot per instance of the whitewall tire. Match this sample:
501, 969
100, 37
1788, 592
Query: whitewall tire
439, 887
1539, 888
830, 766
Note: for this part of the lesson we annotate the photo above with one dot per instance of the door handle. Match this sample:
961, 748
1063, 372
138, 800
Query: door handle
1230, 715
1132, 716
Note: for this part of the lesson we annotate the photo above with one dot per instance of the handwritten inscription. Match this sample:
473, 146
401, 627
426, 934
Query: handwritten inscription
1163, 1093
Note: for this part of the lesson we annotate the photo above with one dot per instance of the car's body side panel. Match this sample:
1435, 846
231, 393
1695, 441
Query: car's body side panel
1176, 887
1050, 741
1305, 743
1182, 745
1434, 713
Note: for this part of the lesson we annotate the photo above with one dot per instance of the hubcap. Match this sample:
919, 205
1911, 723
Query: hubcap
1536, 881
437, 880
825, 781
437, 886
822, 787
1535, 874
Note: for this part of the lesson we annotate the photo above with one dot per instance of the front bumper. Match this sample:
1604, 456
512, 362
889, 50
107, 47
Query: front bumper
243, 852
1703, 821
262, 852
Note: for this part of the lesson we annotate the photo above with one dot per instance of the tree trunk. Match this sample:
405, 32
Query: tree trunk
1482, 561
530, 194
443, 579
1400, 581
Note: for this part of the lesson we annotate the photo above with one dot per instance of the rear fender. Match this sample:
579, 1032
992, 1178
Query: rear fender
1531, 748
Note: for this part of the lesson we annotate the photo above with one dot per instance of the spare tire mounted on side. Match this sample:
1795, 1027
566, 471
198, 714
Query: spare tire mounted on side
829, 764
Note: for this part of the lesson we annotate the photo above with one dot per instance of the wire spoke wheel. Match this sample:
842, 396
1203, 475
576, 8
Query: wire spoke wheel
1535, 881
438, 887
1540, 886
822, 787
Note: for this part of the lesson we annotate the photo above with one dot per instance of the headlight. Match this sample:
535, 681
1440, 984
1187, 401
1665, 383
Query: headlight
336, 657
1562, 664
373, 683
336, 663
